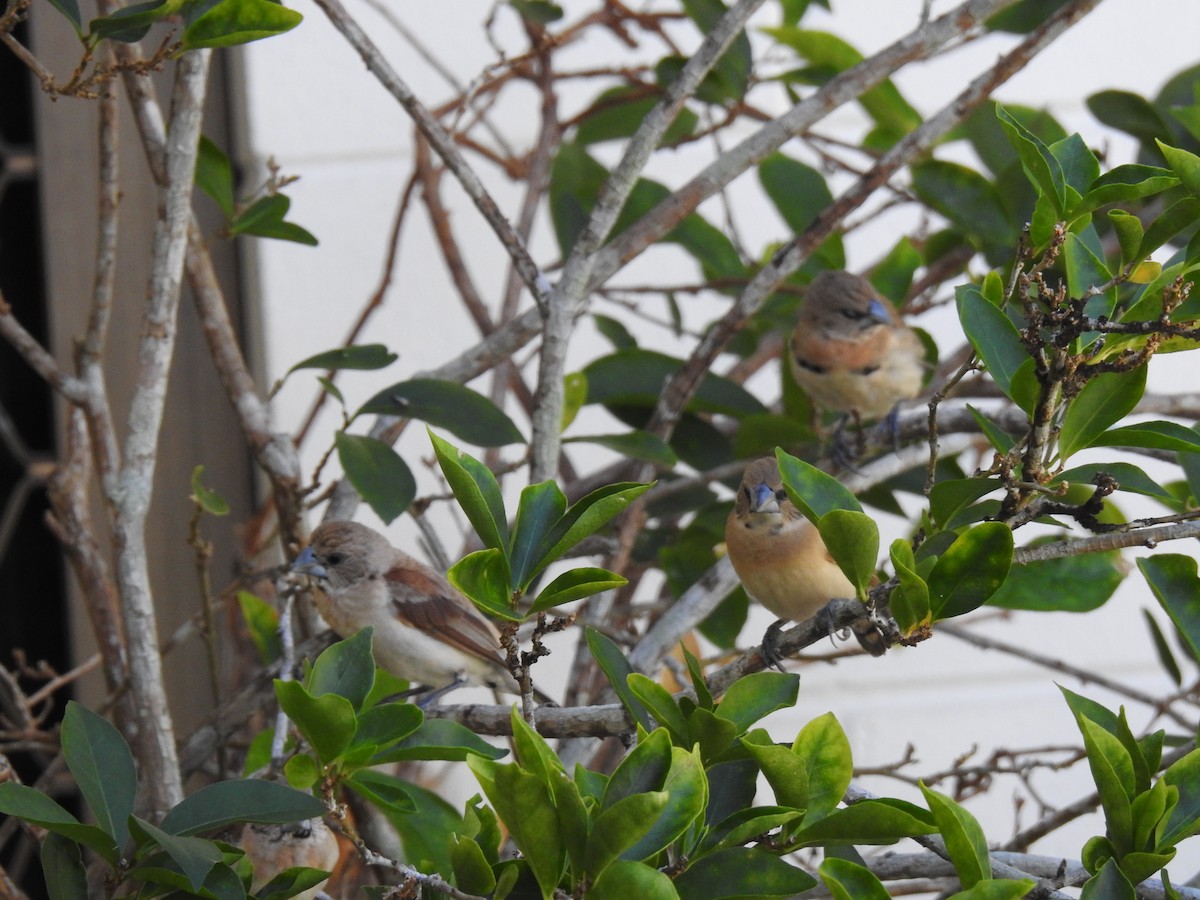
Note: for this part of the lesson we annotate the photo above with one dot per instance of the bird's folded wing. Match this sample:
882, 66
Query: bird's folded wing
434, 606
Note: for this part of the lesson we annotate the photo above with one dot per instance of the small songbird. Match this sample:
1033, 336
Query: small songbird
850, 351
272, 849
426, 631
781, 559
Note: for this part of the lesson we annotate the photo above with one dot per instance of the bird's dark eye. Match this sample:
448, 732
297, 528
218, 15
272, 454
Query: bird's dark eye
853, 315
335, 558
781, 495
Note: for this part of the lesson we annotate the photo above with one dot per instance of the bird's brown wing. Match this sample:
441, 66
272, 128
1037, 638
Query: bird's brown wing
427, 602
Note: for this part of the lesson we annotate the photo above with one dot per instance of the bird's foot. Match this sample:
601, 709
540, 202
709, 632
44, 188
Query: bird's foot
431, 696
846, 443
770, 645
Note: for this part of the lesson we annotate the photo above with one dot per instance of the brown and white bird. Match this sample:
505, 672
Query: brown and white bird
273, 849
781, 559
850, 351
426, 631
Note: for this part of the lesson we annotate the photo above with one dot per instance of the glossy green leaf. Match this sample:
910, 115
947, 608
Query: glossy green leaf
686, 790
644, 768
266, 217
619, 112
327, 722
1070, 584
852, 539
233, 22
584, 518
347, 668
615, 331
814, 492
850, 881
576, 584
883, 821
965, 198
439, 739
798, 191
262, 622
620, 826
540, 508
214, 174
378, 473
476, 490
635, 377
756, 696
992, 334
1086, 271
62, 866
1040, 165
948, 498
624, 880
1105, 400
525, 805
484, 577
1124, 184
823, 747
290, 882
538, 12
574, 396
1158, 435
1184, 821
1129, 477
384, 790
129, 24
1128, 229
208, 500
532, 752
633, 444
361, 357
965, 840
732, 70
971, 570
194, 856
894, 275
660, 703
1108, 884
741, 872
785, 771
1166, 656
910, 598
1130, 113
103, 767
1184, 164
617, 669
1112, 770
461, 411
1080, 167
1173, 220
251, 800
472, 871
1172, 577
36, 808
997, 889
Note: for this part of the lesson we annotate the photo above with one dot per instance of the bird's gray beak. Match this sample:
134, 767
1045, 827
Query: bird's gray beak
763, 499
879, 313
306, 563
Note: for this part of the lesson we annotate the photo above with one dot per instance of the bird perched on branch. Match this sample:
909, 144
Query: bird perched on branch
780, 557
273, 848
426, 631
850, 351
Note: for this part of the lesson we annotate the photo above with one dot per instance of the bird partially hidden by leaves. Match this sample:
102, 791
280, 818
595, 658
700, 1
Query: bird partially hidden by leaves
425, 630
781, 559
851, 353
274, 848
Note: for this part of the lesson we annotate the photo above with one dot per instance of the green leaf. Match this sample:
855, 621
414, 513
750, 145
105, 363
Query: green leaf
384, 790
910, 598
619, 112
214, 174
574, 396
472, 872
62, 866
378, 473
786, 772
576, 584
823, 747
633, 444
621, 825
815, 493
460, 410
129, 24
1108, 884
1070, 584
850, 881
732, 70
965, 841
686, 792
361, 357
525, 805
540, 508
1087, 270
1105, 400
438, 739
965, 198
346, 668
798, 191
327, 722
852, 539
538, 12
484, 577
1184, 821
103, 767
1159, 435
883, 821
1129, 477
1112, 770
1041, 166
992, 334
644, 768
660, 703
997, 889
194, 856
1173, 220
635, 377
971, 570
756, 696
1184, 164
1128, 229
265, 217
741, 872
33, 806
584, 518
252, 800
1125, 184
625, 879
233, 22
1165, 656
262, 621
477, 492
948, 498
1172, 578
617, 669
